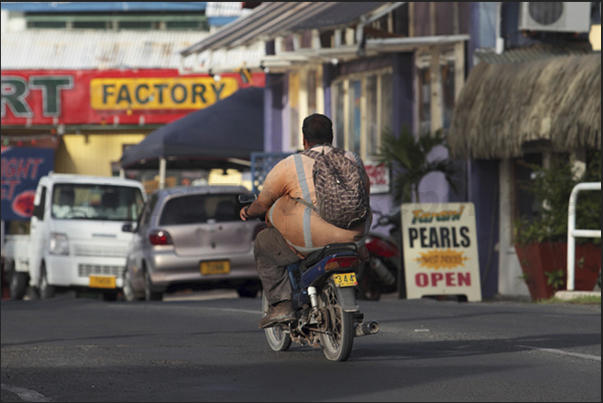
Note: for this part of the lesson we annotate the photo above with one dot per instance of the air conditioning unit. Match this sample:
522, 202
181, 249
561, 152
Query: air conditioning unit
555, 16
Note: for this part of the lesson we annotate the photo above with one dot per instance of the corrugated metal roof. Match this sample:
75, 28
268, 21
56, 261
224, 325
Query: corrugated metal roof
533, 53
74, 50
339, 14
277, 18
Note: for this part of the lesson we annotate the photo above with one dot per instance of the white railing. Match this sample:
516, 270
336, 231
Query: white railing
573, 233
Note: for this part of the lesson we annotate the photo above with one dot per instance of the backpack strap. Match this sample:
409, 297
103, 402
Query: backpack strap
306, 201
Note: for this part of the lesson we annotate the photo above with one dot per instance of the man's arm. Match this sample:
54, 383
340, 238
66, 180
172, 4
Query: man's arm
253, 210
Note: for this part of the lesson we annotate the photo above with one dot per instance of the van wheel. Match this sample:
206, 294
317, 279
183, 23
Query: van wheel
110, 296
149, 294
18, 285
47, 291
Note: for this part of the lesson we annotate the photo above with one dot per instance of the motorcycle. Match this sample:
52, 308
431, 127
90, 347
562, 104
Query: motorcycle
324, 299
380, 274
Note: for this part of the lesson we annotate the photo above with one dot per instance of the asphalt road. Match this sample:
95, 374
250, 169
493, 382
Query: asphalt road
209, 349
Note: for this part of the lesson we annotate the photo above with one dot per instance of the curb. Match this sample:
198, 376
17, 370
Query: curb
568, 295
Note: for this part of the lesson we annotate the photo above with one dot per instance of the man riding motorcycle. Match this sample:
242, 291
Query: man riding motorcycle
293, 230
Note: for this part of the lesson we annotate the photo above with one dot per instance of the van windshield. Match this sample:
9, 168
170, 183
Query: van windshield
96, 202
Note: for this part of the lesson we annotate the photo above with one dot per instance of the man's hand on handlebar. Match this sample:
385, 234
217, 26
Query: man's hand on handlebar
253, 210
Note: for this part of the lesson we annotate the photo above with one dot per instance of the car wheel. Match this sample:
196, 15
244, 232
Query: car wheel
47, 291
18, 285
149, 294
127, 289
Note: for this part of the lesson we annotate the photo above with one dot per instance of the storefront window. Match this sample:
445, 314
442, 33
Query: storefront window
447, 72
355, 116
294, 109
338, 102
372, 121
362, 109
386, 104
424, 100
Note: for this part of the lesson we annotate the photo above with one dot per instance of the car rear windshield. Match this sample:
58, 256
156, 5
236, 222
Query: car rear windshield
198, 209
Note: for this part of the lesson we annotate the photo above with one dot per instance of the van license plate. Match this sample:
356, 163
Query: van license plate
102, 281
215, 267
345, 280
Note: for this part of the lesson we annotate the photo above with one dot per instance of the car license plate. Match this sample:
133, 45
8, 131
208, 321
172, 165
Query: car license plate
345, 280
102, 281
215, 267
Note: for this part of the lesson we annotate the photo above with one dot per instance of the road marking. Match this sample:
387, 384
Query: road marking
561, 352
26, 394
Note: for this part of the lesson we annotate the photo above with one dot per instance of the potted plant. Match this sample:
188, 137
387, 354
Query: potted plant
408, 158
541, 243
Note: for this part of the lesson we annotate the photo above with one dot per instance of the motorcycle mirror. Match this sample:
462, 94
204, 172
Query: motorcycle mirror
247, 198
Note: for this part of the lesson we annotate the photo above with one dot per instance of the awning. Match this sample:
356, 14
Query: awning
277, 18
505, 106
222, 135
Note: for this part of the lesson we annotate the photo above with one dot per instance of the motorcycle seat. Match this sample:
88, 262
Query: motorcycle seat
330, 249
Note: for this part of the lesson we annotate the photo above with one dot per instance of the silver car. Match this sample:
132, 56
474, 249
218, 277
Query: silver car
192, 238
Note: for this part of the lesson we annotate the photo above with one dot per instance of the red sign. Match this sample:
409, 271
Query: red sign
111, 97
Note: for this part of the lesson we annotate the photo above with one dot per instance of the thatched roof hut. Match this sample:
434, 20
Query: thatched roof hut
504, 106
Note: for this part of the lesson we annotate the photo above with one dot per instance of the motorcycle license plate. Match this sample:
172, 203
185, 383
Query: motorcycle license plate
102, 282
345, 280
215, 267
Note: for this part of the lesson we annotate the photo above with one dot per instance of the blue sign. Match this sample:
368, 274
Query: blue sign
22, 169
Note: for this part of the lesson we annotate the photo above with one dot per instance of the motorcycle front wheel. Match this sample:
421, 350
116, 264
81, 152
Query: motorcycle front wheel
338, 340
278, 338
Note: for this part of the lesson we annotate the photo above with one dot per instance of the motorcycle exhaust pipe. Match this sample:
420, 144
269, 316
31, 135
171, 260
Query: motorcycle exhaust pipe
367, 328
382, 271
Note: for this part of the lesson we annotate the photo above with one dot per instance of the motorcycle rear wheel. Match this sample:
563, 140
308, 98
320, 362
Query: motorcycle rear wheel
337, 343
278, 339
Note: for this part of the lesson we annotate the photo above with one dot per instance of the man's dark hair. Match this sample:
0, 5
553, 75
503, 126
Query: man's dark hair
318, 129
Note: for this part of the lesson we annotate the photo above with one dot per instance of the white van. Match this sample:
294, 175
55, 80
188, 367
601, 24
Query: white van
76, 235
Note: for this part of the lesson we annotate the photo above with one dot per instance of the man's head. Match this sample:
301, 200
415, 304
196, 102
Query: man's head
317, 129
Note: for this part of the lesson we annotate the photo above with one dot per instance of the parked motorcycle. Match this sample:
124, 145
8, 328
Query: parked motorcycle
380, 274
324, 299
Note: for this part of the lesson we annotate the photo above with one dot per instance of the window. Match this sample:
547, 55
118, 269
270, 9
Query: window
96, 202
295, 124
355, 116
110, 21
338, 105
40, 208
305, 98
147, 213
198, 209
362, 109
436, 85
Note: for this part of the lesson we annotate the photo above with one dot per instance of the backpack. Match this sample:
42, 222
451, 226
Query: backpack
341, 197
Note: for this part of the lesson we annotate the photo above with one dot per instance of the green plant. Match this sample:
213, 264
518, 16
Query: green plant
524, 278
551, 188
555, 278
407, 157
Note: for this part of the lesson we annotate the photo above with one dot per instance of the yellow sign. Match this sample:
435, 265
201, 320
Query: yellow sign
440, 250
149, 93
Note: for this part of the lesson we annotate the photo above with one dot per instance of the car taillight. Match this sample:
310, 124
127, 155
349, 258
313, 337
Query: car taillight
159, 237
342, 262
